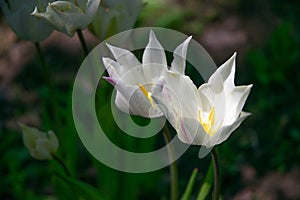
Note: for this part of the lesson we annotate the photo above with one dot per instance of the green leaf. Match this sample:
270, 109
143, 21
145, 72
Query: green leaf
189, 188
81, 189
207, 184
112, 28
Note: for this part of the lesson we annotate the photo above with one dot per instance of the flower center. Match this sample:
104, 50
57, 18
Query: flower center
147, 94
208, 123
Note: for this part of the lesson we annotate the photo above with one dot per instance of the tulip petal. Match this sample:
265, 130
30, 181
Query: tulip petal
181, 88
193, 129
205, 93
30, 135
227, 130
42, 150
122, 103
209, 100
111, 67
125, 58
234, 103
169, 107
154, 52
138, 103
178, 63
116, 72
53, 141
154, 59
223, 77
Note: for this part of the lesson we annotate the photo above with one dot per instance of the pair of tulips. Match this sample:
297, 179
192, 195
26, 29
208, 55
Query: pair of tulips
201, 116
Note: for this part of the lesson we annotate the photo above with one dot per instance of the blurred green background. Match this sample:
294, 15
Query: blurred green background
259, 161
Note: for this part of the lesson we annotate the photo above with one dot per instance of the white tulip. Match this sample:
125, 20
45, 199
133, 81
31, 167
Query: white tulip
134, 80
67, 17
205, 116
40, 145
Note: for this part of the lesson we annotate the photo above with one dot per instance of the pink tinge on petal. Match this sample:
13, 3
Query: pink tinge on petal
110, 80
185, 134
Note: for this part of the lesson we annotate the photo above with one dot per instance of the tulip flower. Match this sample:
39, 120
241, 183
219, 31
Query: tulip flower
26, 27
205, 116
40, 145
134, 81
67, 17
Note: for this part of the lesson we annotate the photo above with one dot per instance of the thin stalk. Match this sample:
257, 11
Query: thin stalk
83, 42
44, 66
51, 107
61, 162
173, 165
47, 78
215, 160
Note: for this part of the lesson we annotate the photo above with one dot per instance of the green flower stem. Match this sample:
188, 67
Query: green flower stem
44, 66
47, 78
61, 163
173, 165
83, 42
215, 160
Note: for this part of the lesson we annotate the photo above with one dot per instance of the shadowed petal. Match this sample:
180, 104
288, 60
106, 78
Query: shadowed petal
227, 130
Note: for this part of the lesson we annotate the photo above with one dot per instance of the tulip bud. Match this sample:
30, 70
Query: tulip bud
68, 17
40, 145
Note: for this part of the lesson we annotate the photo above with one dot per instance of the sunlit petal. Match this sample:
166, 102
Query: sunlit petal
154, 52
179, 61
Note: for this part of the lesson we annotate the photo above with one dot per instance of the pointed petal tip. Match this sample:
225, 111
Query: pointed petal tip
109, 45
107, 62
189, 39
35, 12
233, 57
152, 37
112, 48
186, 42
245, 114
248, 87
152, 33
106, 59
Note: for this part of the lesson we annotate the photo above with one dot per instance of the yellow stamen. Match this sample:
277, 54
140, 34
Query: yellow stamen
211, 116
147, 94
207, 126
